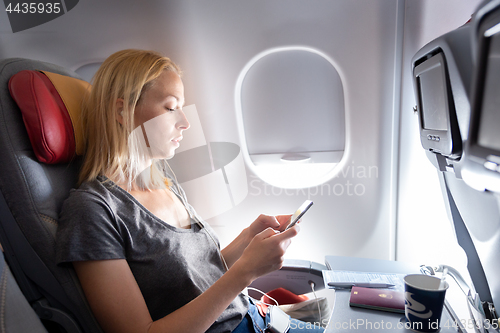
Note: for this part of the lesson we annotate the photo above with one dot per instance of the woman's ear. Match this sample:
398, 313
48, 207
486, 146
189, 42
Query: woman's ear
119, 111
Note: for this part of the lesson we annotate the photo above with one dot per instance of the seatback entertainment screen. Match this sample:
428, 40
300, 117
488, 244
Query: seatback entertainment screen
489, 118
483, 146
435, 106
433, 94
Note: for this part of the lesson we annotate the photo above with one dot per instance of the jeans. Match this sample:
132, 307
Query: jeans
254, 323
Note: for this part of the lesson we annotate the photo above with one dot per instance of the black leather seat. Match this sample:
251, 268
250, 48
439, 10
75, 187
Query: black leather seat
31, 195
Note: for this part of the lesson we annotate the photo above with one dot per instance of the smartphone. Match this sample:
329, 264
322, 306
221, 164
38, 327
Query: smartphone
299, 213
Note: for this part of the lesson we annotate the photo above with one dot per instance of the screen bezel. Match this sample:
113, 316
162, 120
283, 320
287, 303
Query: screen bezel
445, 146
477, 152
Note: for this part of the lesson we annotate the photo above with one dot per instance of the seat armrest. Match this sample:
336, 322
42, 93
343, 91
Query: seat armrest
295, 276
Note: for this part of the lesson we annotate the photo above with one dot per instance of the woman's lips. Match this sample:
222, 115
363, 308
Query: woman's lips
177, 140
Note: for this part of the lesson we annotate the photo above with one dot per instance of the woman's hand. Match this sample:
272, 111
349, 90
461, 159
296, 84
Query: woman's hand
265, 253
233, 251
263, 222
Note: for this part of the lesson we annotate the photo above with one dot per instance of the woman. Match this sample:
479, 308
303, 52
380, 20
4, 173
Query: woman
146, 261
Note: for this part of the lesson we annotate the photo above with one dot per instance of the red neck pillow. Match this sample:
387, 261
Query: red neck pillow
51, 108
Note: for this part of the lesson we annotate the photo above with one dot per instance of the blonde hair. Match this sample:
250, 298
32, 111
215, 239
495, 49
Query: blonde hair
124, 75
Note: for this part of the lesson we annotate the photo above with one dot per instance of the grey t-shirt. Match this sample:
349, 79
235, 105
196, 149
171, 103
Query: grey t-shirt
172, 266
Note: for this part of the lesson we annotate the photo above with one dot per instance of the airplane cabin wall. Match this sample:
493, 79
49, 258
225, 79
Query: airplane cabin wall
354, 213
363, 46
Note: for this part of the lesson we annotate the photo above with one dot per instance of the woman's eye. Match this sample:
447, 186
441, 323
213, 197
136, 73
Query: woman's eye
171, 110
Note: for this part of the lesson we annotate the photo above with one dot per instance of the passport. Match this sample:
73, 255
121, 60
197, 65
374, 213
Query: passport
378, 299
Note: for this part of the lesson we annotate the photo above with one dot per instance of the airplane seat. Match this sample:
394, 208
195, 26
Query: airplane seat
35, 179
445, 77
18, 315
482, 170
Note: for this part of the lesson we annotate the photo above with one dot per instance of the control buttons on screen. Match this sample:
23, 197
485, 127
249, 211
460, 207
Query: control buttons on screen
433, 137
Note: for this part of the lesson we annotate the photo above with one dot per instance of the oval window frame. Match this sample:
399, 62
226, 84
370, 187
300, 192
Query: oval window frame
290, 175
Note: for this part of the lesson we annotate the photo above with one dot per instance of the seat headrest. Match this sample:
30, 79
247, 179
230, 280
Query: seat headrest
51, 108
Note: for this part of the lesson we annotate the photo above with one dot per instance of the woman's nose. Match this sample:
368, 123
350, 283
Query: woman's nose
183, 122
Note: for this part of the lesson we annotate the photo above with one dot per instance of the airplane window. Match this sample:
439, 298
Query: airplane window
291, 116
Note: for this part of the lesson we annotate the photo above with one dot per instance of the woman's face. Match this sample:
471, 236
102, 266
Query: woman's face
159, 115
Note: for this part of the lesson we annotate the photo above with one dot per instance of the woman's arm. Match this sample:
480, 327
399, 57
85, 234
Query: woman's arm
117, 302
233, 251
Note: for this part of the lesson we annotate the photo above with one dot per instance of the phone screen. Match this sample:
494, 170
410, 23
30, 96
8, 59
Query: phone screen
299, 213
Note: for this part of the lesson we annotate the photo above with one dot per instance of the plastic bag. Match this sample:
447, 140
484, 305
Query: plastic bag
314, 310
